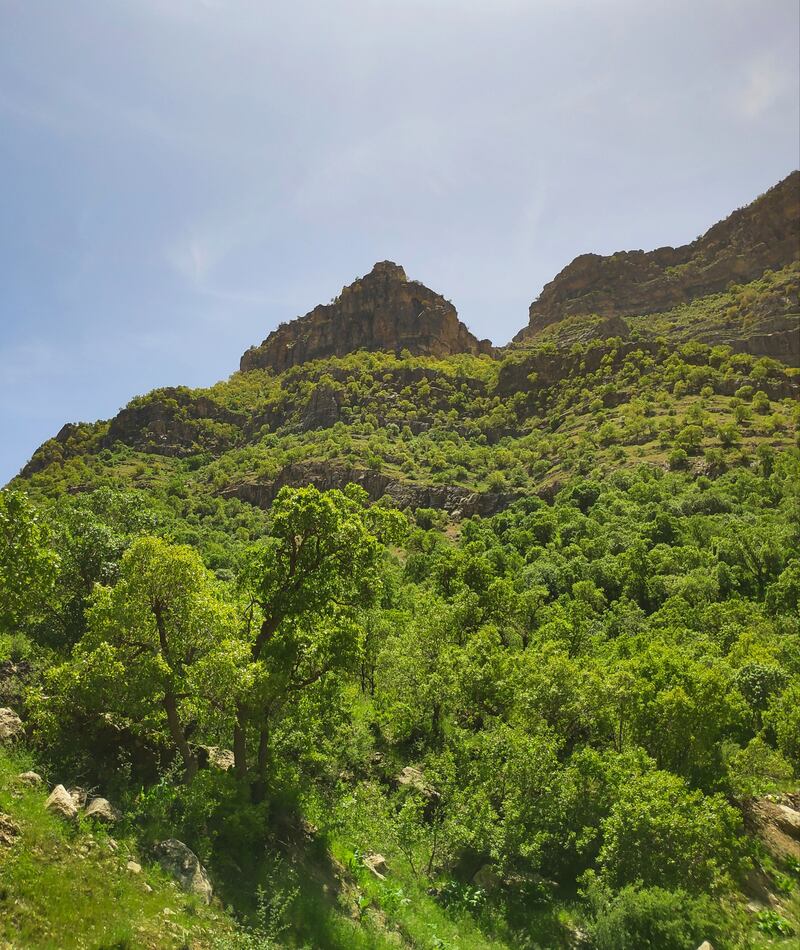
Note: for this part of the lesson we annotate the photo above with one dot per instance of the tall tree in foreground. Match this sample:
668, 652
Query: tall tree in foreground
161, 647
306, 585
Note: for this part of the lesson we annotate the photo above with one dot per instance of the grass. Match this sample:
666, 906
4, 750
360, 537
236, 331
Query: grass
63, 886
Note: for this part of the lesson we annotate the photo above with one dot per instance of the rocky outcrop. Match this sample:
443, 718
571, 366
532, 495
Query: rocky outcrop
775, 819
382, 311
183, 864
461, 502
174, 422
765, 234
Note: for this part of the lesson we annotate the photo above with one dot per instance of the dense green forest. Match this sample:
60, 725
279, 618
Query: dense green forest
516, 668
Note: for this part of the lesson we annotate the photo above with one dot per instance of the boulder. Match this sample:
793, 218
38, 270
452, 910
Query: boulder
60, 803
100, 809
31, 778
11, 728
183, 864
9, 830
486, 878
377, 864
134, 867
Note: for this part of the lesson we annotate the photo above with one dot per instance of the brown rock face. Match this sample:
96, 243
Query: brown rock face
382, 311
765, 234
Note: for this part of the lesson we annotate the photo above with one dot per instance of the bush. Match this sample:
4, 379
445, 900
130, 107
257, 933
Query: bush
652, 917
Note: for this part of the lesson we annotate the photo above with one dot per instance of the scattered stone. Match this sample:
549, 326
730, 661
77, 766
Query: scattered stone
31, 778
112, 845
134, 867
486, 878
377, 864
147, 888
100, 809
9, 830
706, 945
11, 728
60, 803
183, 864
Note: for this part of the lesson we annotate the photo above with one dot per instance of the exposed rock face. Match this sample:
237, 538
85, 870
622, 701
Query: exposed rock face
382, 311
765, 234
323, 475
184, 866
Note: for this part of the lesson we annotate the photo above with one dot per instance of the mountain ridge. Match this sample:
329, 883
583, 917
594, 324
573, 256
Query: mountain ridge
765, 234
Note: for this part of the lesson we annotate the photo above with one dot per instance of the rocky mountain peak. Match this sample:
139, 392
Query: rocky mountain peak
383, 310
764, 234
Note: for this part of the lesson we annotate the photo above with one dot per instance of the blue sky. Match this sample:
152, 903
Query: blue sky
180, 176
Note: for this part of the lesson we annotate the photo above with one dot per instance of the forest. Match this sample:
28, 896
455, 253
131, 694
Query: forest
381, 724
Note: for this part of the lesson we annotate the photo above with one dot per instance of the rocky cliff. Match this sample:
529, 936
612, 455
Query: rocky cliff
765, 234
382, 311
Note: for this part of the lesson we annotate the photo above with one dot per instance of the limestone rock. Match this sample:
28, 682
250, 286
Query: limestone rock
183, 864
9, 830
765, 234
134, 867
11, 728
377, 864
706, 945
31, 778
382, 311
100, 809
60, 803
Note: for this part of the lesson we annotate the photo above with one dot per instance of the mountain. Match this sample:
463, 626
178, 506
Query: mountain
414, 642
382, 311
764, 235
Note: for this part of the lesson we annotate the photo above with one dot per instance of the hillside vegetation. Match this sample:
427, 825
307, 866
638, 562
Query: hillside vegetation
493, 649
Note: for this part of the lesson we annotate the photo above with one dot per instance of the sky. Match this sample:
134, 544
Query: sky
180, 176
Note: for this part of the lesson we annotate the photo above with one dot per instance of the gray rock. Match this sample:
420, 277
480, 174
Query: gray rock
183, 864
31, 778
377, 864
100, 809
60, 803
11, 728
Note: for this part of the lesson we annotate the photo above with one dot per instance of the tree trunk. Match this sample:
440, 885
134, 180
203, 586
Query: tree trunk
240, 745
179, 738
259, 789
